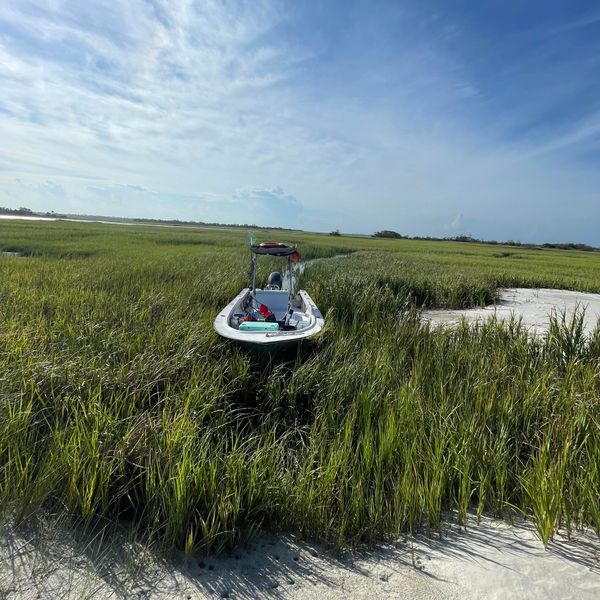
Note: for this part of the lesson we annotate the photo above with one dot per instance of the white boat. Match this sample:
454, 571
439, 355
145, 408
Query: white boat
270, 316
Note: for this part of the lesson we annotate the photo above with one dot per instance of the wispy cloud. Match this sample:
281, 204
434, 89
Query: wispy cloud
402, 117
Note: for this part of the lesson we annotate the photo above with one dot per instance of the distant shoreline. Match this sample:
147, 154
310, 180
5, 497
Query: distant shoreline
51, 216
26, 214
134, 222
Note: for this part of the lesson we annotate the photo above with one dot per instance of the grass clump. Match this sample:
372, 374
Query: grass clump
118, 401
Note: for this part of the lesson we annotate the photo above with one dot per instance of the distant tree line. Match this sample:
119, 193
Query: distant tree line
205, 224
386, 233
15, 211
27, 212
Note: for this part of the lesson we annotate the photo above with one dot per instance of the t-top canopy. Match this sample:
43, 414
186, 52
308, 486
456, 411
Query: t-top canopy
273, 249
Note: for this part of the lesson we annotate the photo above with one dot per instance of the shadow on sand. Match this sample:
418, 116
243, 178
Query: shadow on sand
101, 565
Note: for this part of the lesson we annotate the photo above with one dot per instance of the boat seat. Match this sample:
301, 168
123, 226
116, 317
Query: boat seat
275, 300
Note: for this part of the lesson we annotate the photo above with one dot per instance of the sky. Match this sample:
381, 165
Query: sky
429, 117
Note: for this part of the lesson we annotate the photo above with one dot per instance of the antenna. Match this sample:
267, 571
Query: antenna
251, 242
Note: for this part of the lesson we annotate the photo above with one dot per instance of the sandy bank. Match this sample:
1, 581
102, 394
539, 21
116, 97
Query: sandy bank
532, 306
492, 560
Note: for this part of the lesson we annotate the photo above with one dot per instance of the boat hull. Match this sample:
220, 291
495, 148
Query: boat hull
269, 339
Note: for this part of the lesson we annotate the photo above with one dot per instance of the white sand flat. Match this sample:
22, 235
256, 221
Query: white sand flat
532, 306
491, 560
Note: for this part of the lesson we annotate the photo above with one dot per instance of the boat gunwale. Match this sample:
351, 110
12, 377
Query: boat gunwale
223, 328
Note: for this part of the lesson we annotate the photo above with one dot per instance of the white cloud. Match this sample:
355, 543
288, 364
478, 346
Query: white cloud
267, 207
183, 109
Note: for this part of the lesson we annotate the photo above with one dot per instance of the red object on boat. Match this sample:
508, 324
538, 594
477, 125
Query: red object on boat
264, 310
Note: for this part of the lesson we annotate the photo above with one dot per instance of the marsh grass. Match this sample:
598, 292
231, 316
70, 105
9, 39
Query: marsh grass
118, 401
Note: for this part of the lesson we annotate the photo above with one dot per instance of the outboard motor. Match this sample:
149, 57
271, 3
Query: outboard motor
275, 281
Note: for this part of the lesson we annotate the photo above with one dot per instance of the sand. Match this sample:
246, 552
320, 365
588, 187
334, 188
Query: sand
490, 560
532, 306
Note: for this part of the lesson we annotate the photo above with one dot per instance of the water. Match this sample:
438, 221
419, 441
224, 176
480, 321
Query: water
27, 218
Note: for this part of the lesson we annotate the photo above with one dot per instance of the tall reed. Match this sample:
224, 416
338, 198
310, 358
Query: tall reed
118, 401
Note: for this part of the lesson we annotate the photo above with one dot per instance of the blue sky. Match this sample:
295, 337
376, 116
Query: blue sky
430, 118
